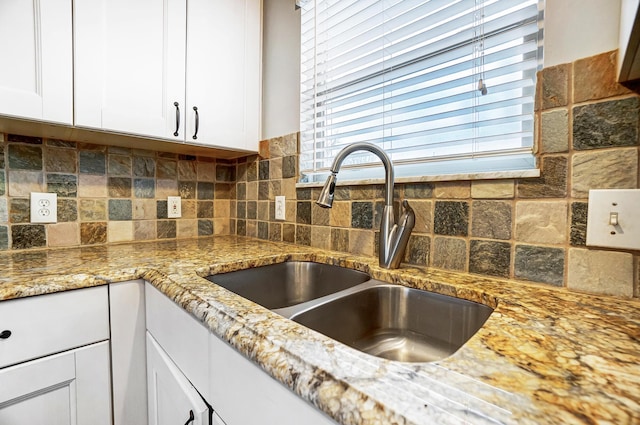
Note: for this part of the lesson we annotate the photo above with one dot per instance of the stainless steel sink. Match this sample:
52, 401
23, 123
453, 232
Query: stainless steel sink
397, 323
381, 319
285, 284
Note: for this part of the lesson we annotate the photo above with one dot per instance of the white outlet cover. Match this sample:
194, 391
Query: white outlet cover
280, 207
44, 207
174, 207
623, 204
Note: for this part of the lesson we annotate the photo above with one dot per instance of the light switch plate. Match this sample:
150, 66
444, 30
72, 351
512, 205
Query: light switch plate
280, 207
44, 207
174, 207
606, 206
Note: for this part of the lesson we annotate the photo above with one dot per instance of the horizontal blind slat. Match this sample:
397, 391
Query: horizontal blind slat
428, 70
438, 95
337, 72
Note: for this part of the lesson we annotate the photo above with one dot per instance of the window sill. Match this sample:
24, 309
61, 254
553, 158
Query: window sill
490, 175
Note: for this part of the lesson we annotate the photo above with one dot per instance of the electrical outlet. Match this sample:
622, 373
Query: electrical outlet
280, 208
44, 207
174, 207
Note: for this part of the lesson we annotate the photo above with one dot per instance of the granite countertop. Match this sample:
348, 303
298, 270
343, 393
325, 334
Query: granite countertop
545, 356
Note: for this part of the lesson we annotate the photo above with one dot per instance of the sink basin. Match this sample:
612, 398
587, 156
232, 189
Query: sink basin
384, 320
290, 283
397, 323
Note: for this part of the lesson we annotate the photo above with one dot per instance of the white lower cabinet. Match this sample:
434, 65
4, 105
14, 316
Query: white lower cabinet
70, 388
49, 324
172, 398
54, 359
217, 420
128, 352
237, 383
226, 379
69, 354
177, 363
181, 336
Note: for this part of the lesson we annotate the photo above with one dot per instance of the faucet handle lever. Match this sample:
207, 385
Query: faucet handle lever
408, 217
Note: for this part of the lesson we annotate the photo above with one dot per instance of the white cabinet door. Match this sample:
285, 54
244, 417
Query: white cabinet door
36, 73
181, 336
223, 72
129, 66
172, 398
217, 420
71, 388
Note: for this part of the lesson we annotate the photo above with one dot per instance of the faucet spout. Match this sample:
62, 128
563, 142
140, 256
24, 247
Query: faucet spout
393, 237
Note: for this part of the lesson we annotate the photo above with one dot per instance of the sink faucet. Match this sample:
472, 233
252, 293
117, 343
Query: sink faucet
393, 237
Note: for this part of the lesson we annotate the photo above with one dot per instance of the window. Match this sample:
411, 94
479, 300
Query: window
443, 86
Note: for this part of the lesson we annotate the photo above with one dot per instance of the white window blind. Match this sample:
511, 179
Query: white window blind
443, 86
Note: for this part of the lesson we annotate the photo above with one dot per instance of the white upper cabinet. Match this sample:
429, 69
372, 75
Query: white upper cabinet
629, 41
223, 72
141, 67
129, 66
36, 73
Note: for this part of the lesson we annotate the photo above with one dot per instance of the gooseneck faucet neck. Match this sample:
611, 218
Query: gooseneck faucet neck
393, 237
388, 166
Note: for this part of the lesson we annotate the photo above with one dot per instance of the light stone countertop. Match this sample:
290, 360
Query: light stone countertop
545, 356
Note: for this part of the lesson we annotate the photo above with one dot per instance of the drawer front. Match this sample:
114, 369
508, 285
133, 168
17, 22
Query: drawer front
48, 324
181, 336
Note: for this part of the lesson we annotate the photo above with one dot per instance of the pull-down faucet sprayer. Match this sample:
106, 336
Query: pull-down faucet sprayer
393, 237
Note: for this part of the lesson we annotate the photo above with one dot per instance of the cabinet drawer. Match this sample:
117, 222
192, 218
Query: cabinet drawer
52, 323
181, 336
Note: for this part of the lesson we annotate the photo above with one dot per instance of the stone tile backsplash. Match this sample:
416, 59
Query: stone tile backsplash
108, 194
531, 229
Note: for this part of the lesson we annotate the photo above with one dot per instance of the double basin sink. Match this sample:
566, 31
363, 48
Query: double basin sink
377, 318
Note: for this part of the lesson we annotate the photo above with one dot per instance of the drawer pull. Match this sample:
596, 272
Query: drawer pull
191, 418
5, 334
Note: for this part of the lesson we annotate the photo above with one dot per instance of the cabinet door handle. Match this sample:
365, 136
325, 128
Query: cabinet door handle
175, 133
191, 418
195, 135
5, 334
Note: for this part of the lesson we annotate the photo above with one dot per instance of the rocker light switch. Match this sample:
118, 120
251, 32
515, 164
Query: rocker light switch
613, 220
